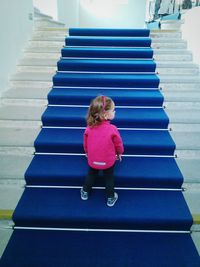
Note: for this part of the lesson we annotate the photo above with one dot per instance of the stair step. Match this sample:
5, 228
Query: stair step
171, 24
25, 93
52, 29
22, 70
189, 96
186, 141
179, 79
192, 71
47, 38
45, 44
9, 196
140, 142
38, 14
190, 168
188, 127
132, 97
127, 117
21, 112
189, 106
36, 69
165, 40
38, 22
61, 170
106, 65
179, 86
13, 167
49, 33
39, 62
174, 45
191, 195
18, 136
31, 84
171, 52
33, 76
17, 150
173, 57
36, 202
177, 64
43, 56
162, 34
127, 245
106, 80
184, 116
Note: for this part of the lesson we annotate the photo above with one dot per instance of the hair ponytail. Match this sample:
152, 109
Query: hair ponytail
97, 109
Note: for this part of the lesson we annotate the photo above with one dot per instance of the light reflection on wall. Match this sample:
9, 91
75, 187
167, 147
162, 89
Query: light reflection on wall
102, 8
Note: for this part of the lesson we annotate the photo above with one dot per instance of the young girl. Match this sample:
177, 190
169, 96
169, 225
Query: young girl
102, 145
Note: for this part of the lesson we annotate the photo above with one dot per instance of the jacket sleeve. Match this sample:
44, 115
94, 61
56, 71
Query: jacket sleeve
117, 140
85, 140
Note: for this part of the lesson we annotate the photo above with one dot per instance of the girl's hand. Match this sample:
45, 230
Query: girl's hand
119, 157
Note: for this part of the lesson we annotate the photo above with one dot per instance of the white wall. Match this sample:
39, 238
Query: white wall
112, 13
16, 28
48, 7
102, 13
68, 12
190, 32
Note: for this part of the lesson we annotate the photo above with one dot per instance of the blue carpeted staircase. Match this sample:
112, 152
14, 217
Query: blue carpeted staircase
150, 224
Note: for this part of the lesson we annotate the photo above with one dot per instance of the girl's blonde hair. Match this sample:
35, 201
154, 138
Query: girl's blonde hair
97, 109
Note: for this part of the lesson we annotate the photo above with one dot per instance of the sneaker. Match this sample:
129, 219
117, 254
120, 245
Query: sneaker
111, 200
84, 194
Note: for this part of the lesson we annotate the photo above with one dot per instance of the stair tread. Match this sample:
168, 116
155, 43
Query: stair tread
126, 117
131, 172
51, 207
136, 141
122, 97
126, 248
106, 65
106, 80
108, 41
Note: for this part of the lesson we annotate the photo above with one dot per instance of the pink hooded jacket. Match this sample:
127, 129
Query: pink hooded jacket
101, 144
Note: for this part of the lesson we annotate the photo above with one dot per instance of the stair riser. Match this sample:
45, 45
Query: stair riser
168, 45
179, 86
31, 84
43, 49
166, 35
39, 62
178, 71
41, 34
51, 70
36, 69
46, 23
53, 58
31, 76
173, 57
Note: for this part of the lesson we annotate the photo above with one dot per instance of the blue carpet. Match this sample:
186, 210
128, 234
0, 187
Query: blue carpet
106, 52
138, 172
105, 65
136, 142
70, 249
125, 117
121, 97
156, 203
142, 210
106, 80
108, 32
108, 41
